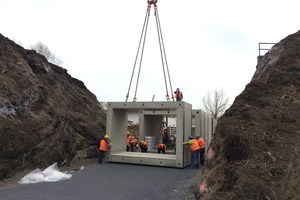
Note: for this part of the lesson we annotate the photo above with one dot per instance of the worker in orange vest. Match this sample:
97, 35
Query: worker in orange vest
144, 146
104, 145
161, 148
194, 149
201, 143
178, 95
128, 137
133, 143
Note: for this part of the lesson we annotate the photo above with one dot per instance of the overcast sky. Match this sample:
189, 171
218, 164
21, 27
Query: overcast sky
209, 44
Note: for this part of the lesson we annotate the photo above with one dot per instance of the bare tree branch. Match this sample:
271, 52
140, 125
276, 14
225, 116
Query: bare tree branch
44, 50
215, 103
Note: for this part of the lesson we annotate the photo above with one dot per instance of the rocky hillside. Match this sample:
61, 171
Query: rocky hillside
46, 115
256, 146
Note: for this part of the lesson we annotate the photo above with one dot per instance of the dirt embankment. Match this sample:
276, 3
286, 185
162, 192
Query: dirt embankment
46, 116
256, 152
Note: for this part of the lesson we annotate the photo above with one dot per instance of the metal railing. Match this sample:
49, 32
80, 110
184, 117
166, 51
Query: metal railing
264, 46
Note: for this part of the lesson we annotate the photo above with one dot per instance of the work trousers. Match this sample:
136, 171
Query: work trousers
196, 158
202, 152
101, 156
133, 147
161, 150
143, 150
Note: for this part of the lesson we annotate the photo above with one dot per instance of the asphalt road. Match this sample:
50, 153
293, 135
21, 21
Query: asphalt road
112, 181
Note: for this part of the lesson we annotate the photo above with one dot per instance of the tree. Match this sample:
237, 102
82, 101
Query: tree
44, 50
215, 103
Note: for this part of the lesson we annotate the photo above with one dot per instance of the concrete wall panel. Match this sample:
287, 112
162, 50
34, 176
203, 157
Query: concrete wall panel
117, 128
205, 125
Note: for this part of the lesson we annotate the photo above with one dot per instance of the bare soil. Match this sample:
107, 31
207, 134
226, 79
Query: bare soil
46, 115
255, 152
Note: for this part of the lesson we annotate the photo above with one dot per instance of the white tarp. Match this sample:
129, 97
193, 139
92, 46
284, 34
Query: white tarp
50, 174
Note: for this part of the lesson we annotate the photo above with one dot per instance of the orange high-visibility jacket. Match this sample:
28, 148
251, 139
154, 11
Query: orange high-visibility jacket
103, 146
144, 144
130, 137
194, 146
161, 146
131, 140
201, 143
178, 94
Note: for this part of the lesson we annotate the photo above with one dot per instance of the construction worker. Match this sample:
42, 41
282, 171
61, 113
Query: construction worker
161, 148
178, 95
128, 137
144, 146
194, 149
201, 143
99, 140
104, 145
166, 137
133, 143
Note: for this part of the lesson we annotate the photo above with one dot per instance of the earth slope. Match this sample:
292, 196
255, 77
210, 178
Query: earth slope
255, 150
46, 116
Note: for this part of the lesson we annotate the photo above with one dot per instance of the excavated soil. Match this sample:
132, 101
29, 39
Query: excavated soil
255, 152
46, 115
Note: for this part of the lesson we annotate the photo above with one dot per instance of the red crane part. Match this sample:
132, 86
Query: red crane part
152, 2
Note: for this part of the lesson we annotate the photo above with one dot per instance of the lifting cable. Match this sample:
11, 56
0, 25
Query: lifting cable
162, 52
145, 23
163, 55
142, 53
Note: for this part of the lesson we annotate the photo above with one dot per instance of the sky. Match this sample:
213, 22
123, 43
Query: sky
209, 44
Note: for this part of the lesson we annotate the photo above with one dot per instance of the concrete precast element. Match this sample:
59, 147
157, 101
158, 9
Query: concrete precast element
204, 125
151, 115
153, 159
150, 118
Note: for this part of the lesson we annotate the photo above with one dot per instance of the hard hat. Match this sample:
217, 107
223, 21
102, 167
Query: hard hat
190, 137
177, 89
106, 137
197, 136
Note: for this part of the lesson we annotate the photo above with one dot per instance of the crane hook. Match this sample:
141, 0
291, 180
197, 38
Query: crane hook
154, 2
